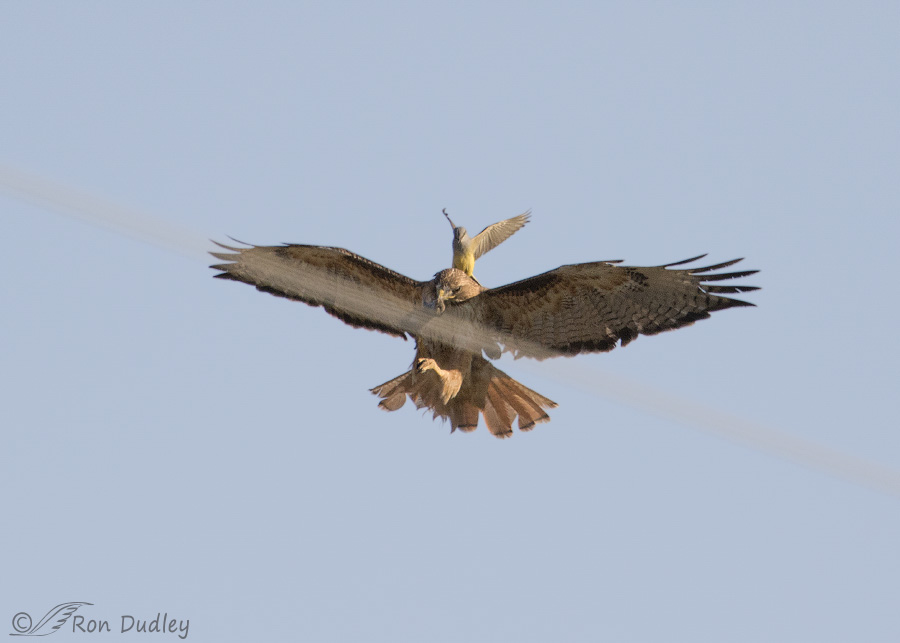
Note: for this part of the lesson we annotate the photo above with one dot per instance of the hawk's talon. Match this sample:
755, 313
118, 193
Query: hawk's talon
425, 364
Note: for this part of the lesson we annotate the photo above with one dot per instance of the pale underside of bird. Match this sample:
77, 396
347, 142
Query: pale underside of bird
467, 249
460, 326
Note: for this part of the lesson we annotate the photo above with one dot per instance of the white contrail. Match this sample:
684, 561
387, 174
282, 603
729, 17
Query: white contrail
100, 212
753, 434
177, 238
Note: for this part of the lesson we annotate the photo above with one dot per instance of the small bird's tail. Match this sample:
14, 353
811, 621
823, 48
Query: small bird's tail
487, 390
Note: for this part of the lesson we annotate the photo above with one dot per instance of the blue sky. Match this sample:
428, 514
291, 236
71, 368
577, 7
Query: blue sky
178, 444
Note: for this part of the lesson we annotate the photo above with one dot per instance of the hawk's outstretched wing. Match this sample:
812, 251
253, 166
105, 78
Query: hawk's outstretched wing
495, 234
590, 307
357, 291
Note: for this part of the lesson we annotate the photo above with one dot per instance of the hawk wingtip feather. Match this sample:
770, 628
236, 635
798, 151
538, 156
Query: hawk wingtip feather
222, 245
729, 289
683, 261
727, 275
249, 245
717, 266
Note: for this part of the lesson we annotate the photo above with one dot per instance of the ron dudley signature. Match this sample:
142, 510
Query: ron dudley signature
161, 624
57, 617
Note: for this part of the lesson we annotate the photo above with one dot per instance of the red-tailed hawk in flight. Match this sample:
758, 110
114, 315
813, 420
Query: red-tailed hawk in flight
459, 325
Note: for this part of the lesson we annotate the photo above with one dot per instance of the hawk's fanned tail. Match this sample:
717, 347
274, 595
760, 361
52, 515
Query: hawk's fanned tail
520, 401
487, 391
393, 393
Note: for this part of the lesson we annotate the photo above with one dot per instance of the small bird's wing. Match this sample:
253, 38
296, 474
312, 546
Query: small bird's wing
590, 307
357, 291
493, 235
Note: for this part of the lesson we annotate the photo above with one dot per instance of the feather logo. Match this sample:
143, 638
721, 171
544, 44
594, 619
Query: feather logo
52, 621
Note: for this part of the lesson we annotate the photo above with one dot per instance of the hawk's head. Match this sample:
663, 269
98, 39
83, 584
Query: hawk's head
450, 285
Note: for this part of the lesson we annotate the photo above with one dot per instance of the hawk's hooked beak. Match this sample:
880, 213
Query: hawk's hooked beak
438, 304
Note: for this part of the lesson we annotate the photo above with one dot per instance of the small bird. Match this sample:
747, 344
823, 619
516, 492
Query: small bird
466, 250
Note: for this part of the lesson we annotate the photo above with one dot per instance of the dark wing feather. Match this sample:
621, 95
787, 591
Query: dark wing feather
357, 291
591, 307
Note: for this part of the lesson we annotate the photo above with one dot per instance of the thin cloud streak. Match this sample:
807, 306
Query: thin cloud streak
735, 429
101, 212
164, 234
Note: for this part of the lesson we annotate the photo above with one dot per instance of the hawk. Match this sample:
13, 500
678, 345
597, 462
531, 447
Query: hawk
460, 326
466, 250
